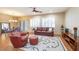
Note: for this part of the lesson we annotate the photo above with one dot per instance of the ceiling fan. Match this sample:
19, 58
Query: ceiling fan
36, 11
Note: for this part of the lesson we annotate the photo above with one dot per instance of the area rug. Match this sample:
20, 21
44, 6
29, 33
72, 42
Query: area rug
46, 43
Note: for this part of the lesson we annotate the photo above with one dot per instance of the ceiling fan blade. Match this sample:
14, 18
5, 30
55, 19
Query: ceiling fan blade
34, 10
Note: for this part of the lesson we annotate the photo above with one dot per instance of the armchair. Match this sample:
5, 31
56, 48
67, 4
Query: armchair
18, 41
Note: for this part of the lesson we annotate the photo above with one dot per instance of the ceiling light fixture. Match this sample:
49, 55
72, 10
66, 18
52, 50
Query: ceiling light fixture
13, 21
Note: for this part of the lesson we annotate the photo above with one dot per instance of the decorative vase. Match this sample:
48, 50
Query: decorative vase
75, 32
66, 30
62, 29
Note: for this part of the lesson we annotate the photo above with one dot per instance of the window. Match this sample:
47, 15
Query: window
24, 25
35, 21
46, 21
5, 26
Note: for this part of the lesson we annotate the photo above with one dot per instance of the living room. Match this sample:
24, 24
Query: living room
37, 23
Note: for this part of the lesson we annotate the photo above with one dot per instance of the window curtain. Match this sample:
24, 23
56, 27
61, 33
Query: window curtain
24, 25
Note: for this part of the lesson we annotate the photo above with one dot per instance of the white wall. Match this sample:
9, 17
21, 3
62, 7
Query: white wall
58, 22
72, 19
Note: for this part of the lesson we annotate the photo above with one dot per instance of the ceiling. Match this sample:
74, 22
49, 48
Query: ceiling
24, 11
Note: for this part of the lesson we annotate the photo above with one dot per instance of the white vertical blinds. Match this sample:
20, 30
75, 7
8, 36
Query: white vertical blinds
46, 21
35, 21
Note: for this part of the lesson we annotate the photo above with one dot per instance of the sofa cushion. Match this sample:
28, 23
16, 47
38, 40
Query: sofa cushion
39, 28
50, 29
23, 37
38, 31
43, 29
17, 34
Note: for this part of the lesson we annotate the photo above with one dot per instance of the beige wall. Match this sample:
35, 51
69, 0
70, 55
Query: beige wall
58, 22
72, 19
6, 18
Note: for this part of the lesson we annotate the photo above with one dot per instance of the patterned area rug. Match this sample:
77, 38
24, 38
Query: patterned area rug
46, 43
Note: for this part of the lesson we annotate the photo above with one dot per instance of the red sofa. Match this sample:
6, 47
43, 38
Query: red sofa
44, 31
18, 40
